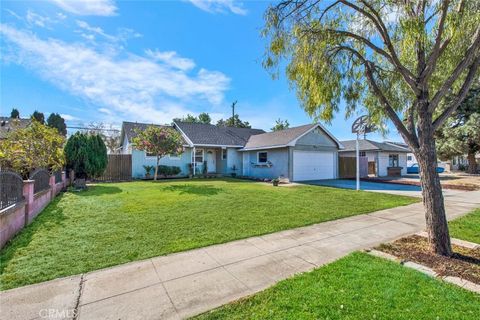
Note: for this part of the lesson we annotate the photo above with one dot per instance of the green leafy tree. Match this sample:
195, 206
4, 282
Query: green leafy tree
159, 141
15, 114
36, 146
280, 125
396, 59
461, 133
233, 122
86, 154
39, 116
56, 121
204, 118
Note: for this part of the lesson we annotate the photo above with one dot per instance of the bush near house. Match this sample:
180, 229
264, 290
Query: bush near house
168, 171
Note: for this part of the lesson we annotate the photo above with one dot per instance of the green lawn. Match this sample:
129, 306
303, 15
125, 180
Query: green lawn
467, 227
356, 287
110, 224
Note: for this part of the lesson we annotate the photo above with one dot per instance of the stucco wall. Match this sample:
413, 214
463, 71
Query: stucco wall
383, 163
139, 159
316, 138
278, 158
234, 158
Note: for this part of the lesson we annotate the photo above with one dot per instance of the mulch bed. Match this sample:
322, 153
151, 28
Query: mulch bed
416, 183
464, 263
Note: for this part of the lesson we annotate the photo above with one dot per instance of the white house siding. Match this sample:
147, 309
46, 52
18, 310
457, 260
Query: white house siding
383, 163
277, 157
139, 159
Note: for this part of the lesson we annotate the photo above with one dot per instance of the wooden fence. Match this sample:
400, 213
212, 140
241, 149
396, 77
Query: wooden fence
348, 167
119, 168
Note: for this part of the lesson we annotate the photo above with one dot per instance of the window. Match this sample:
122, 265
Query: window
362, 154
224, 154
198, 156
262, 157
409, 158
393, 160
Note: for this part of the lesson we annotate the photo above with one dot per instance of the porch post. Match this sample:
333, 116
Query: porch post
193, 161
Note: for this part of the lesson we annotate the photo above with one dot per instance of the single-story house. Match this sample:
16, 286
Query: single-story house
381, 155
307, 152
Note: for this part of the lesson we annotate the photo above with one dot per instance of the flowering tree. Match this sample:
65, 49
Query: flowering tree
159, 141
36, 146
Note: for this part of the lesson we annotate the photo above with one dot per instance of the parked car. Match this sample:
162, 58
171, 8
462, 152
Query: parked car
415, 169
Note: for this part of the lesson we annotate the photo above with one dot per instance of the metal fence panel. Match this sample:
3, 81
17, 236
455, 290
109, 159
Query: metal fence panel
42, 180
11, 189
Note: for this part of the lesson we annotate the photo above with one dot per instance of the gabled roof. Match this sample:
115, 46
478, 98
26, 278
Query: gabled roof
128, 129
8, 124
284, 138
201, 134
369, 145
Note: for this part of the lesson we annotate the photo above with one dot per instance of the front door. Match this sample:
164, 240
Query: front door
211, 161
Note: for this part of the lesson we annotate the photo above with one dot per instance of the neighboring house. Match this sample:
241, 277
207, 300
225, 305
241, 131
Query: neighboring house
381, 155
302, 153
8, 124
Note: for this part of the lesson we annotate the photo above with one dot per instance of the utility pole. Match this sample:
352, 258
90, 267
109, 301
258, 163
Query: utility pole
233, 112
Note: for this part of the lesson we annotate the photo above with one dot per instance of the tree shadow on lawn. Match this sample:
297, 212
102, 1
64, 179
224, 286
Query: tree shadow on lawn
202, 190
97, 190
50, 217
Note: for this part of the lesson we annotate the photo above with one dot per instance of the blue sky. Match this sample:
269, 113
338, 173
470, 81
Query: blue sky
109, 61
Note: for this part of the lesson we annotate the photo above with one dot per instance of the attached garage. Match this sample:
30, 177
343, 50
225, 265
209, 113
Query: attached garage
302, 153
313, 165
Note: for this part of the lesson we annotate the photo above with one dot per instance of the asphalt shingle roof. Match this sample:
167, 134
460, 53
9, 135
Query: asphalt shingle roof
129, 128
8, 124
369, 145
207, 134
277, 138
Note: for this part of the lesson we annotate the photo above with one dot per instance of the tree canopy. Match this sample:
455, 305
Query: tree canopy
56, 121
15, 114
38, 116
395, 60
461, 133
233, 122
202, 118
280, 125
36, 146
158, 141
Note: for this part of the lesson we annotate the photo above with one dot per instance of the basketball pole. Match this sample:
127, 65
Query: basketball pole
357, 152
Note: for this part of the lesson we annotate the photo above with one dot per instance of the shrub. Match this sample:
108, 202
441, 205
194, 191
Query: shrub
86, 155
168, 170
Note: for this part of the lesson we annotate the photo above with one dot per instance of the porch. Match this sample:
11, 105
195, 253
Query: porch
213, 158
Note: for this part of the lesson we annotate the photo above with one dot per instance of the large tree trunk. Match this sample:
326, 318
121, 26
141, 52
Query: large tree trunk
472, 163
435, 216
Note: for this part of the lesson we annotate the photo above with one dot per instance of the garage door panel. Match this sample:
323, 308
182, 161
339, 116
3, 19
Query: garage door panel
313, 165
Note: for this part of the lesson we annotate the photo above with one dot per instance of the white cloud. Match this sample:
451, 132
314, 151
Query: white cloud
38, 20
220, 6
88, 7
171, 58
68, 117
131, 86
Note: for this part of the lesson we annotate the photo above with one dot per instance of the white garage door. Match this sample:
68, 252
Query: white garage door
313, 165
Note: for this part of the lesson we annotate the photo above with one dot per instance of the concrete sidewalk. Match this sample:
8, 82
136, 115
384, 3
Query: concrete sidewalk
188, 283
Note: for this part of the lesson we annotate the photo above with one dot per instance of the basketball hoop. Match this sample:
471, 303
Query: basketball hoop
361, 125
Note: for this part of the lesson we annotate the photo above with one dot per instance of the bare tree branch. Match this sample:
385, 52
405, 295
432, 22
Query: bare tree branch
369, 70
461, 66
438, 47
460, 96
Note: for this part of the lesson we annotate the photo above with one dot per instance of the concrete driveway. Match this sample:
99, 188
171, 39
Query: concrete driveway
392, 188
